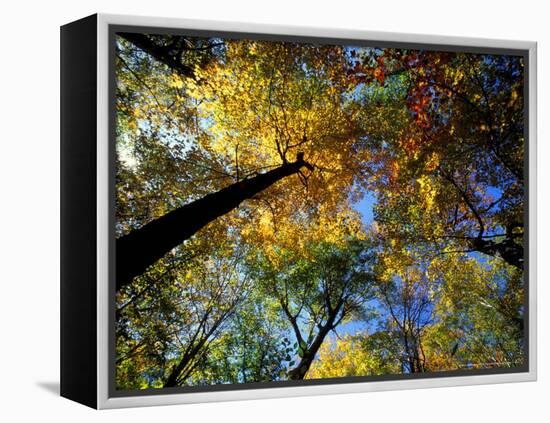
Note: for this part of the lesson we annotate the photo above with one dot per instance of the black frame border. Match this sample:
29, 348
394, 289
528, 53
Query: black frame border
78, 211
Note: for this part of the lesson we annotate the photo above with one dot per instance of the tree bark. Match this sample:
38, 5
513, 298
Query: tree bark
142, 247
172, 379
299, 372
508, 250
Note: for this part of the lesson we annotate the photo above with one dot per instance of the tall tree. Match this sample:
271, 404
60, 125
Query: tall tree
409, 301
318, 293
255, 346
459, 165
169, 322
292, 119
142, 247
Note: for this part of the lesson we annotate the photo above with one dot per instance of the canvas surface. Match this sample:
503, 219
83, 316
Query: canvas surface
295, 212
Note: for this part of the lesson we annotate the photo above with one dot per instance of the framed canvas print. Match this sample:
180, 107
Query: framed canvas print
254, 211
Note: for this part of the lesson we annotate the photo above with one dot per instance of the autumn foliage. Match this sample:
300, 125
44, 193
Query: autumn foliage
343, 211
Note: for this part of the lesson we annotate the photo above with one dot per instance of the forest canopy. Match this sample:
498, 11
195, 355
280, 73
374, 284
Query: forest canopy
292, 210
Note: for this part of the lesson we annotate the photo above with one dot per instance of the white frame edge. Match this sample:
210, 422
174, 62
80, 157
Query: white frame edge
103, 399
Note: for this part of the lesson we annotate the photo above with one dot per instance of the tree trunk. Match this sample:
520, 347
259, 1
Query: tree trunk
508, 250
299, 372
172, 379
142, 247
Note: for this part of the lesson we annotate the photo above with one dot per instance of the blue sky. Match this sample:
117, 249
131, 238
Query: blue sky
365, 207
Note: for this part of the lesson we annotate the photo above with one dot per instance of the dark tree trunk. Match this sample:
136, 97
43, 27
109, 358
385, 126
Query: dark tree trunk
510, 251
172, 379
299, 372
161, 53
139, 249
